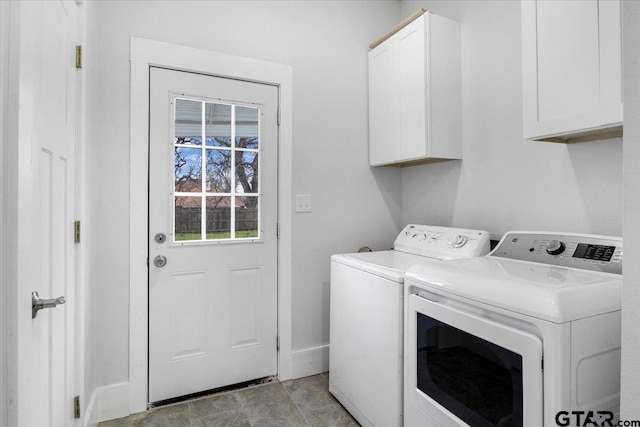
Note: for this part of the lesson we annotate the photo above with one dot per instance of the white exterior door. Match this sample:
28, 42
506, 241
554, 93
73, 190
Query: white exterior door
212, 232
43, 143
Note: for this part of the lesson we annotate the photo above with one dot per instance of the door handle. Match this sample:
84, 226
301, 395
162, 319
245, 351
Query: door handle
38, 304
160, 261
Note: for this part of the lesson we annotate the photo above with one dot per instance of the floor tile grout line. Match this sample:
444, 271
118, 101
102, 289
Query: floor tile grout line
189, 411
304, 417
300, 411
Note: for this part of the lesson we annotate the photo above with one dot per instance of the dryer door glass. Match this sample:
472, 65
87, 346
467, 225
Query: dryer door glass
476, 380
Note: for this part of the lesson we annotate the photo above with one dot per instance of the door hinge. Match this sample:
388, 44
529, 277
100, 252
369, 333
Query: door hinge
76, 231
278, 117
278, 342
78, 56
277, 230
76, 407
542, 364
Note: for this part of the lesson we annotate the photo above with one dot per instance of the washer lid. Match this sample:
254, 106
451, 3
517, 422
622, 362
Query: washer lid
390, 265
552, 293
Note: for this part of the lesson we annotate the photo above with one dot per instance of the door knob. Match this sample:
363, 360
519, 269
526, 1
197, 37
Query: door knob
38, 304
160, 261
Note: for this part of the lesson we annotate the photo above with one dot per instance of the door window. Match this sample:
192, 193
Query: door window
216, 158
476, 380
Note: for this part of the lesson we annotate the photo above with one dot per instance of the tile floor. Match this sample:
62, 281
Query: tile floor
301, 402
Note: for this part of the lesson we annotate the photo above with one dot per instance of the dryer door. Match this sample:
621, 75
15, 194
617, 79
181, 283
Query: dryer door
463, 369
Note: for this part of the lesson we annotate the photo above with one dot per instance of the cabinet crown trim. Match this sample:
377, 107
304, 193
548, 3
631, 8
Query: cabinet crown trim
417, 14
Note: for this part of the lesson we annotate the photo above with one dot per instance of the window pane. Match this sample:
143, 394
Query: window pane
218, 124
218, 171
247, 172
247, 215
218, 218
188, 218
230, 170
188, 169
247, 127
188, 126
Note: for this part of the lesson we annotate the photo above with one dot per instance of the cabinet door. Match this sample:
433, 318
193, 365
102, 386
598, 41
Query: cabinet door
561, 79
412, 74
384, 105
610, 14
397, 97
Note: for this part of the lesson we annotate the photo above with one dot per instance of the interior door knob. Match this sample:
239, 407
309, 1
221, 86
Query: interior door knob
38, 303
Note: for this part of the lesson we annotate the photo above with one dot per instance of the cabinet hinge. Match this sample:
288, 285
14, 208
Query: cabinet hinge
76, 407
76, 231
78, 56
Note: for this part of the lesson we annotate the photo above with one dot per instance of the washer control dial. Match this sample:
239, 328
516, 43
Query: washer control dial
555, 247
459, 241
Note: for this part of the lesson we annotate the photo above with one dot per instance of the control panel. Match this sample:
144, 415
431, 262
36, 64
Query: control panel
582, 251
442, 242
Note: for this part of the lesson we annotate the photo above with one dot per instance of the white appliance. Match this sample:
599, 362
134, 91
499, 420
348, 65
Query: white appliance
526, 336
365, 356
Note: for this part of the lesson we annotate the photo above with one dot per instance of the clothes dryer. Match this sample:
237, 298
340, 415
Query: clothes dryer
366, 306
528, 336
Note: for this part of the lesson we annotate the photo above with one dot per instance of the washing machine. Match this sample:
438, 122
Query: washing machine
366, 317
528, 336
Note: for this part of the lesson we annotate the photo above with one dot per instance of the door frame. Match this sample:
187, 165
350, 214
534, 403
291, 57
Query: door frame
5, 198
143, 54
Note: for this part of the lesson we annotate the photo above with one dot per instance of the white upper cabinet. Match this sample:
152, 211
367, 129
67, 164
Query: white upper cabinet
415, 103
572, 69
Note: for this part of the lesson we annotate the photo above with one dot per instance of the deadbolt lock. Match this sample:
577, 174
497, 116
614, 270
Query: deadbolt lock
161, 238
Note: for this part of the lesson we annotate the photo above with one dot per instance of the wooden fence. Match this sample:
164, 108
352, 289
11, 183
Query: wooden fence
188, 219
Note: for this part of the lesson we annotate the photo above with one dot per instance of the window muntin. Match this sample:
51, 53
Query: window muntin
216, 171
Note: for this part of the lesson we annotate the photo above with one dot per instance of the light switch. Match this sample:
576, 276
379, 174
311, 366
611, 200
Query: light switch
303, 202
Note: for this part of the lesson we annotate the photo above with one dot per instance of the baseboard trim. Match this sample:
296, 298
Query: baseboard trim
309, 361
107, 403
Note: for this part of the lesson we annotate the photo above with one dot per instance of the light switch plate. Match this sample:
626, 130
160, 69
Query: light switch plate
303, 202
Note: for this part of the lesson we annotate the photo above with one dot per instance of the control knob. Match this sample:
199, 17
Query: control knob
555, 247
459, 241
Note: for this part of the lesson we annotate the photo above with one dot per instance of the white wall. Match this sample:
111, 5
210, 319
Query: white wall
326, 42
631, 292
503, 182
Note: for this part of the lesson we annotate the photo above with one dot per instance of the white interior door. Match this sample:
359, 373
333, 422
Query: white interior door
212, 232
44, 147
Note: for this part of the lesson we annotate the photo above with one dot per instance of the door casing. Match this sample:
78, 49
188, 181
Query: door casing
143, 54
